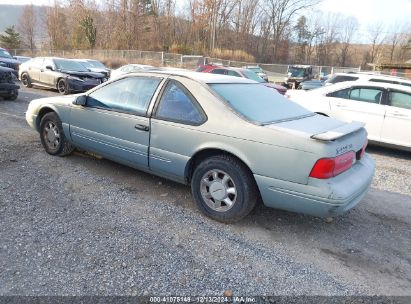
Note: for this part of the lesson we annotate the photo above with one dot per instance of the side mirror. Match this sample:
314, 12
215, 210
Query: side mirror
49, 67
80, 100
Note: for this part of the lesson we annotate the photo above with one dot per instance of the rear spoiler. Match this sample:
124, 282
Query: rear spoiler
339, 132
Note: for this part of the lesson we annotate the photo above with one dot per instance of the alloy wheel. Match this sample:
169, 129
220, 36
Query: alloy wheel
218, 190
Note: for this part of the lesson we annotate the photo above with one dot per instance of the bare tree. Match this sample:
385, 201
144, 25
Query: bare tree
397, 37
27, 26
56, 26
349, 27
280, 14
376, 32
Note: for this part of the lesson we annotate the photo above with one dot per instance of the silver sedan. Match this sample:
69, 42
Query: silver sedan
234, 140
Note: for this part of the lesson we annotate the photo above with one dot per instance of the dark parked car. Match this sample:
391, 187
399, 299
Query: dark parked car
237, 72
65, 75
7, 61
8, 89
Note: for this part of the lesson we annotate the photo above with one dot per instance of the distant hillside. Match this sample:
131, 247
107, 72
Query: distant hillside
10, 14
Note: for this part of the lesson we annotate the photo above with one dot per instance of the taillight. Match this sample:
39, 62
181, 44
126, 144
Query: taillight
362, 151
330, 167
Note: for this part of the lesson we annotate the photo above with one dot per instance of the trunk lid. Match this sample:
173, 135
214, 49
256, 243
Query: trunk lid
338, 136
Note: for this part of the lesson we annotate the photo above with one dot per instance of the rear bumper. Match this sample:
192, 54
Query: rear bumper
323, 198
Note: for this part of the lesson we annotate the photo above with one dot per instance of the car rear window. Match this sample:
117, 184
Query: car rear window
259, 103
341, 78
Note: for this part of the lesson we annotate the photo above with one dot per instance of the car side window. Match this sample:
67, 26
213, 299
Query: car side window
340, 94
132, 95
233, 73
219, 71
400, 100
342, 78
37, 62
371, 95
177, 104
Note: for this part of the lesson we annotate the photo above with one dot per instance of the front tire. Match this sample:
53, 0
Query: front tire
52, 136
62, 87
224, 188
25, 80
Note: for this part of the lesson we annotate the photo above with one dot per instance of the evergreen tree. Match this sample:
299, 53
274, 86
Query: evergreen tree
10, 39
90, 30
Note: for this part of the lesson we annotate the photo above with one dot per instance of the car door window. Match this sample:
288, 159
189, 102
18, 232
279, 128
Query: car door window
400, 100
37, 63
132, 95
177, 104
340, 94
48, 62
371, 95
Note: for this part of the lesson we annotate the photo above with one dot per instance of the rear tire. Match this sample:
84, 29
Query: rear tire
224, 188
52, 136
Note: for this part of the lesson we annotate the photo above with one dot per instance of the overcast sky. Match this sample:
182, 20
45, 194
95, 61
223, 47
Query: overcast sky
368, 12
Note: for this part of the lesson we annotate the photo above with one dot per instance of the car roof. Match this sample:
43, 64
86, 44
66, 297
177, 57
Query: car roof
85, 59
371, 75
138, 65
231, 68
347, 84
198, 76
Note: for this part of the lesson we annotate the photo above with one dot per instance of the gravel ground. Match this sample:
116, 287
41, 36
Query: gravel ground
83, 226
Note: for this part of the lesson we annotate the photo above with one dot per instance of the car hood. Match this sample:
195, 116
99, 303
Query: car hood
98, 70
83, 74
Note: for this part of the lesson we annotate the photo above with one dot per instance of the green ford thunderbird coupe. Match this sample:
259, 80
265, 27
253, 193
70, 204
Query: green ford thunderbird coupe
234, 140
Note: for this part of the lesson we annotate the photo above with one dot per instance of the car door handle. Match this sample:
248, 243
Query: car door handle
41, 70
142, 127
399, 114
340, 105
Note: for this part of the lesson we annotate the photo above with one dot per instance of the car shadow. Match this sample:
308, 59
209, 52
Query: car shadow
388, 151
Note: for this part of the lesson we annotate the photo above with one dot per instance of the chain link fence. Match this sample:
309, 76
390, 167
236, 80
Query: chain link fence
116, 58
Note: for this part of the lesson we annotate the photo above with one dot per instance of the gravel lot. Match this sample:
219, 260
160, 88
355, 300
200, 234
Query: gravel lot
84, 226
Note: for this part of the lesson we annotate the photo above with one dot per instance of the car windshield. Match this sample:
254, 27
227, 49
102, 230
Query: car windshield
70, 65
259, 103
93, 64
253, 76
296, 72
5, 54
